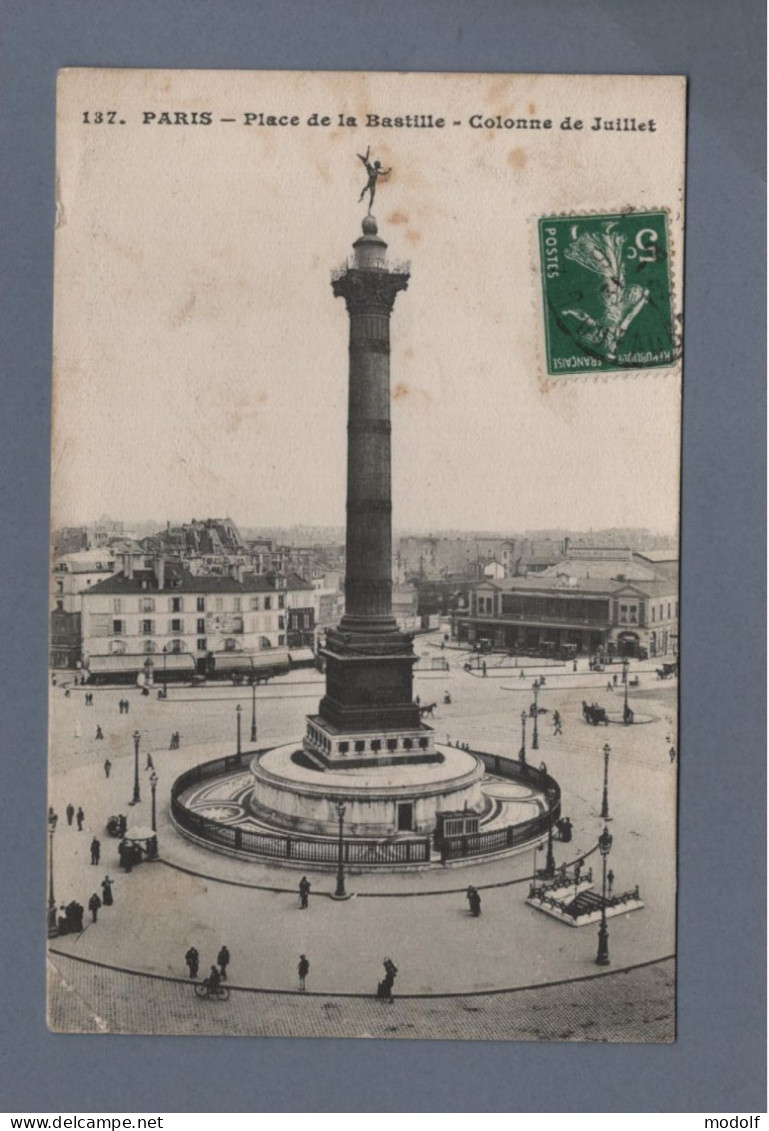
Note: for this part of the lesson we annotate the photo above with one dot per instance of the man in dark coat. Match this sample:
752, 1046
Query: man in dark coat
106, 892
223, 960
304, 892
192, 958
94, 903
70, 811
95, 851
107, 767
80, 819
303, 969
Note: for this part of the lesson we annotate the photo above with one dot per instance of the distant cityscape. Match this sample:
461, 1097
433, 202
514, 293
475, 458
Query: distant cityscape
204, 597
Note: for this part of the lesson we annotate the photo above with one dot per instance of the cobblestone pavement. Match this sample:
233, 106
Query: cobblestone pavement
633, 1006
206, 898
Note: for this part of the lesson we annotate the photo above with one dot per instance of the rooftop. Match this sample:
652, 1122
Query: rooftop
179, 580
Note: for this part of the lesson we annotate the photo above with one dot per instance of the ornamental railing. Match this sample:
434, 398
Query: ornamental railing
363, 852
305, 849
498, 840
391, 266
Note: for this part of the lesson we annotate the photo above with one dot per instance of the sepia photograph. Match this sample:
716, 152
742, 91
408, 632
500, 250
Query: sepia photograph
364, 573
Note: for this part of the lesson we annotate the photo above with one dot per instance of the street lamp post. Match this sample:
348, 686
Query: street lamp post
550, 860
253, 711
522, 755
238, 713
153, 787
604, 846
340, 892
165, 671
535, 735
52, 928
626, 709
137, 795
605, 803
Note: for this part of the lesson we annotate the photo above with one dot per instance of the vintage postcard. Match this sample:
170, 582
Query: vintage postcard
364, 572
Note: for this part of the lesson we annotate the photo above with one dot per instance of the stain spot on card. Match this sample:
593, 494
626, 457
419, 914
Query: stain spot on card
397, 218
185, 310
517, 158
406, 394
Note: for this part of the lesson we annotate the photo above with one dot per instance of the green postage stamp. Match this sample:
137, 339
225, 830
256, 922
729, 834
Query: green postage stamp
607, 293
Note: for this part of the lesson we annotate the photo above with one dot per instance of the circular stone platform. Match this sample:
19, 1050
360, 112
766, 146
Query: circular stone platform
381, 801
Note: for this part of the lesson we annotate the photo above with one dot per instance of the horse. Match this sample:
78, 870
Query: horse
427, 709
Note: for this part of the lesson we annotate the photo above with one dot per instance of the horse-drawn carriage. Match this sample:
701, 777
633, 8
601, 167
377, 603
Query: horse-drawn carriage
594, 714
668, 671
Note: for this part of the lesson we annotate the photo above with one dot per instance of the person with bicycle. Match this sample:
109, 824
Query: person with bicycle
213, 981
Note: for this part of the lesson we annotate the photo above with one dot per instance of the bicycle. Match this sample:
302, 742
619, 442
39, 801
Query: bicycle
206, 990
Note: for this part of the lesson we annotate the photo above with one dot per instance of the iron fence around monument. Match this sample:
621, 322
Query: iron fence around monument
278, 846
510, 836
365, 853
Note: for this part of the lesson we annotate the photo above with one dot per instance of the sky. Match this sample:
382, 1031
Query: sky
201, 359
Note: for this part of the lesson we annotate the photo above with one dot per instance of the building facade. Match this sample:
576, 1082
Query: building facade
165, 619
567, 615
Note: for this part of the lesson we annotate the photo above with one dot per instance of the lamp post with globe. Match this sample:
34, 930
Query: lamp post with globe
551, 795
604, 847
535, 735
52, 928
605, 802
153, 787
253, 710
137, 795
340, 892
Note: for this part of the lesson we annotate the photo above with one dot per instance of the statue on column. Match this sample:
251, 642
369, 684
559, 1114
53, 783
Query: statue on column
375, 171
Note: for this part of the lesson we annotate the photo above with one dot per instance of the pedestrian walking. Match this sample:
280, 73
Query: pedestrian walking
672, 754
150, 764
609, 686
614, 679
223, 960
484, 669
95, 851
385, 987
106, 892
99, 733
522, 675
127, 705
574, 666
304, 893
70, 811
94, 903
303, 969
609, 880
473, 897
192, 958
557, 724
80, 819
107, 767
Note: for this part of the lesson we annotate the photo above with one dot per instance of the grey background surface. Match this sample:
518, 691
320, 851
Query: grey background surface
718, 1063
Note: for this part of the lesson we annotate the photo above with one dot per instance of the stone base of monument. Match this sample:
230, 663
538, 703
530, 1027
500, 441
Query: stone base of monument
292, 792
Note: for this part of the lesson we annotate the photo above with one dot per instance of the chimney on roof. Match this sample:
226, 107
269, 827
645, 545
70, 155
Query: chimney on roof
128, 565
159, 564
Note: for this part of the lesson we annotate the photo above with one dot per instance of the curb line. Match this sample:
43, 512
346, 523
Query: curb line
365, 997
